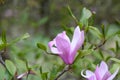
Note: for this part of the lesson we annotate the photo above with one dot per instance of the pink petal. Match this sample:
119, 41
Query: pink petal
92, 77
89, 75
106, 76
113, 75
77, 41
64, 36
101, 71
63, 46
78, 38
53, 49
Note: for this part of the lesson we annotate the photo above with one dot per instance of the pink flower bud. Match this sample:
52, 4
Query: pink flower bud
101, 73
67, 50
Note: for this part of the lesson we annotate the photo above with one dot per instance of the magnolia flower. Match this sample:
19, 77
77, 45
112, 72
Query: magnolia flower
101, 73
62, 46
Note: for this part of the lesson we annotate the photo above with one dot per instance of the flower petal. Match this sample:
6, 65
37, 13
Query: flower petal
77, 41
106, 76
92, 77
52, 48
64, 36
113, 75
63, 46
78, 38
89, 75
101, 70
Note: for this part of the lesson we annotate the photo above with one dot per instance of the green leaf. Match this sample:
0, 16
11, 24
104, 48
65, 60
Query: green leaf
3, 42
103, 30
114, 67
114, 34
24, 36
10, 67
4, 37
86, 14
85, 52
44, 75
108, 58
40, 70
112, 31
72, 15
82, 53
116, 60
2, 72
69, 30
2, 46
41, 46
95, 32
21, 65
101, 54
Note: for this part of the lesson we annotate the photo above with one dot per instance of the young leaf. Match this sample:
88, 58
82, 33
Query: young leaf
10, 67
2, 46
82, 53
41, 46
69, 30
2, 72
24, 36
116, 60
103, 30
114, 34
44, 75
4, 37
101, 54
112, 31
95, 32
86, 14
3, 42
74, 18
85, 52
21, 65
40, 70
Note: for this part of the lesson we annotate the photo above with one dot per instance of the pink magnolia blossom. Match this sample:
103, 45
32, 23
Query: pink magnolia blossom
101, 73
62, 46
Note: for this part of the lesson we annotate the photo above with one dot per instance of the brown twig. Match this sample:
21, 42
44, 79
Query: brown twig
1, 58
67, 68
100, 45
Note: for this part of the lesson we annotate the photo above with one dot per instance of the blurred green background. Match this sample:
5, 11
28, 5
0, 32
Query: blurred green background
43, 19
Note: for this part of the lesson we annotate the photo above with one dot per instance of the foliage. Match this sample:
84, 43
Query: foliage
29, 57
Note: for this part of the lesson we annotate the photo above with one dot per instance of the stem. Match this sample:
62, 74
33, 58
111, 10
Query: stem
67, 68
100, 45
1, 59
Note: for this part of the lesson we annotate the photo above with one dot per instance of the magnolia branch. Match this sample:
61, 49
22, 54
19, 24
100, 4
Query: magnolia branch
67, 68
1, 59
100, 45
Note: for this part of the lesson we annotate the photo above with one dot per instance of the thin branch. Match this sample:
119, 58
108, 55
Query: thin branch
100, 45
67, 68
1, 59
